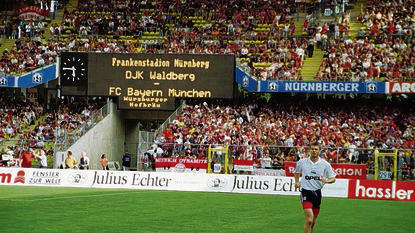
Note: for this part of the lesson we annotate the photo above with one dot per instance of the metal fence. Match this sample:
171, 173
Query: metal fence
144, 142
145, 137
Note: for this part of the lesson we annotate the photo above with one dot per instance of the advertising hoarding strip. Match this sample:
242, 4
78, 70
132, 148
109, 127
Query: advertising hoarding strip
280, 185
382, 190
323, 87
161, 181
401, 87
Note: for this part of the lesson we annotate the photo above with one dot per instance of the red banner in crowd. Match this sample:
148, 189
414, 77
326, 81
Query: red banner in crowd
32, 13
243, 162
181, 164
401, 87
289, 168
382, 190
243, 165
348, 171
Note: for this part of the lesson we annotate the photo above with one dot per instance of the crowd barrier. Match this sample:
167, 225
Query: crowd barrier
342, 188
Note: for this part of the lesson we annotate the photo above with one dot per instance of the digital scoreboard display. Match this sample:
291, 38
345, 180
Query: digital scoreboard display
153, 81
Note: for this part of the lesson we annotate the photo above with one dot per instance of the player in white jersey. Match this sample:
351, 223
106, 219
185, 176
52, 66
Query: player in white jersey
315, 173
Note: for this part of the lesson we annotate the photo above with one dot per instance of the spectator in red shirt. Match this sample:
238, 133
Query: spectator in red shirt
26, 158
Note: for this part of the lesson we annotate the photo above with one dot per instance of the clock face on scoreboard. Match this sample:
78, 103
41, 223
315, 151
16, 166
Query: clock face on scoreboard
74, 69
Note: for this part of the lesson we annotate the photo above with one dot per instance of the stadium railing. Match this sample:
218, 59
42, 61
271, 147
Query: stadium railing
145, 137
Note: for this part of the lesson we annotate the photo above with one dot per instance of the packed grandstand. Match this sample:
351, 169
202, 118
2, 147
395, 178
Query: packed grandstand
359, 41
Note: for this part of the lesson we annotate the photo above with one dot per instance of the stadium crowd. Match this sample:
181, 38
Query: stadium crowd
16, 116
27, 55
261, 35
189, 28
383, 49
389, 18
363, 60
282, 131
69, 120
262, 39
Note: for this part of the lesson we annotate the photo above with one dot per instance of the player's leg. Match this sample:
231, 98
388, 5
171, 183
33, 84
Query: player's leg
309, 219
315, 215
316, 200
307, 203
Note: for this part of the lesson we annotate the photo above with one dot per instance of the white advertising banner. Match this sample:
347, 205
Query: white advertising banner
268, 172
162, 181
45, 177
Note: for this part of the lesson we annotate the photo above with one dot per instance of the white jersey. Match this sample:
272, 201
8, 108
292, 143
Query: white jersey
312, 173
43, 162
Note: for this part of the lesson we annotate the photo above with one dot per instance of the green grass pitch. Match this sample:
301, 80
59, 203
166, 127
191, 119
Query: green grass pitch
46, 209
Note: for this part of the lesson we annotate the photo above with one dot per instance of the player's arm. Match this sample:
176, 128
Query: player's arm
328, 172
329, 180
297, 174
297, 180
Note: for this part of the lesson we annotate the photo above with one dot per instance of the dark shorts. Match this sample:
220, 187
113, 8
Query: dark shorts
310, 199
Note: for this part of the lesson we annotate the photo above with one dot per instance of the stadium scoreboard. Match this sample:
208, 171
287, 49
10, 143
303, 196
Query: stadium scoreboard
149, 81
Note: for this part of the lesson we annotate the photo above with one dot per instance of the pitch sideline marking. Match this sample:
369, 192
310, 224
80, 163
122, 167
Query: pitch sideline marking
80, 196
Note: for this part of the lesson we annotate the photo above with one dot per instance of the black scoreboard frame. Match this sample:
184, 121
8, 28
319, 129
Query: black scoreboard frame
148, 81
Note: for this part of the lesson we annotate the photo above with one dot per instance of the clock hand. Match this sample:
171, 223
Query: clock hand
72, 68
67, 68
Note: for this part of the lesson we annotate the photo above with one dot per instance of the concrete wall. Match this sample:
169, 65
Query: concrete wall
107, 137
131, 140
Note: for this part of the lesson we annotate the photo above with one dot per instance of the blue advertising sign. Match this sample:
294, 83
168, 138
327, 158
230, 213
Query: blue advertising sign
37, 77
246, 81
7, 81
323, 87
